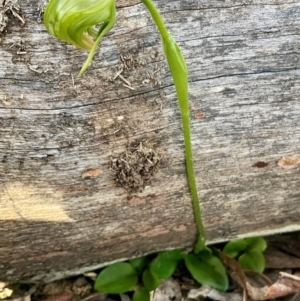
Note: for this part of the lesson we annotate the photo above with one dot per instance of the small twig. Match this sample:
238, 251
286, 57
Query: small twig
129, 87
124, 80
127, 83
155, 71
17, 16
33, 69
73, 82
118, 73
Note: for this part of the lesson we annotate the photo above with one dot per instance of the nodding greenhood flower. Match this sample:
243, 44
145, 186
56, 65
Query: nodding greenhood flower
75, 21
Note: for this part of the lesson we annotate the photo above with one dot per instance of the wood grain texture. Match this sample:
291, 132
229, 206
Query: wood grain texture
55, 128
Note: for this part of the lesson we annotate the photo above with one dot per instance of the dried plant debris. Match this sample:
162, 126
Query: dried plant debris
129, 61
135, 167
64, 290
9, 7
286, 284
258, 286
17, 291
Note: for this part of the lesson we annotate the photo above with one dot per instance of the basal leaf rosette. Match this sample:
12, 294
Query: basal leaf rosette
75, 21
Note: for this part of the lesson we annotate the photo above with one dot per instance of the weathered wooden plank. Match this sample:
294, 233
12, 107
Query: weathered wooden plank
56, 129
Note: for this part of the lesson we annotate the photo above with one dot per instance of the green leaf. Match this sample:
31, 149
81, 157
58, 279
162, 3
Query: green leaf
216, 263
252, 260
117, 278
206, 253
139, 264
256, 243
234, 247
164, 265
150, 280
142, 294
211, 257
205, 273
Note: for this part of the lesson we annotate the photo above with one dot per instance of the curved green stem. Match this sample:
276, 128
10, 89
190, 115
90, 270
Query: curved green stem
179, 73
106, 26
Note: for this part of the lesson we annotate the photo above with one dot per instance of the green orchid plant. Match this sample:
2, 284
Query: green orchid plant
84, 23
76, 21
